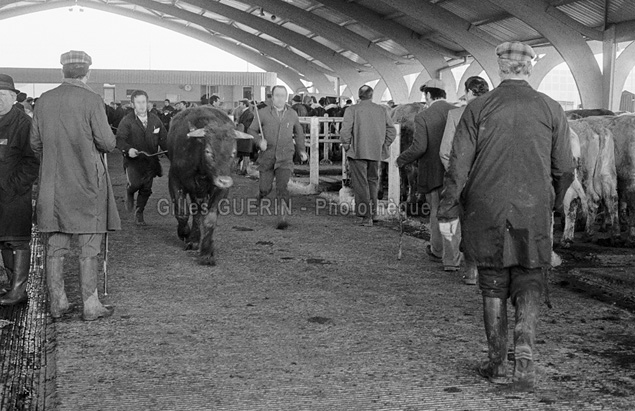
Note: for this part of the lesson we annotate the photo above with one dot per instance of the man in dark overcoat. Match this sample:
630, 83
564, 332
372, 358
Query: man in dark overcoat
510, 167
18, 170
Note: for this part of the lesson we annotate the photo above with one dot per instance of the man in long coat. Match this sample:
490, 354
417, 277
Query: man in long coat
71, 133
140, 134
510, 167
283, 138
367, 133
18, 170
428, 133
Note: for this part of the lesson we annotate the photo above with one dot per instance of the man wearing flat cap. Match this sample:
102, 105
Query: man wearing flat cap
18, 170
71, 134
426, 143
510, 167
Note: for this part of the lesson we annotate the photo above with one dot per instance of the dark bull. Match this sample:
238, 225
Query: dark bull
201, 146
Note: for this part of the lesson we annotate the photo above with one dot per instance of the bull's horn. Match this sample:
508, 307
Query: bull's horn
243, 136
199, 132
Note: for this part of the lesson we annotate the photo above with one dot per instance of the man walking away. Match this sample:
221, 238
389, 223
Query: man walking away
428, 132
282, 129
140, 133
71, 134
367, 132
18, 170
510, 167
474, 87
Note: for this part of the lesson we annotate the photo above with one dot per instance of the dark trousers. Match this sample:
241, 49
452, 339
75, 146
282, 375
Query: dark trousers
140, 180
365, 180
282, 176
506, 283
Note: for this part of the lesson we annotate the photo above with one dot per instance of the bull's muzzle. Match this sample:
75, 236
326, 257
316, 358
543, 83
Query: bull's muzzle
223, 182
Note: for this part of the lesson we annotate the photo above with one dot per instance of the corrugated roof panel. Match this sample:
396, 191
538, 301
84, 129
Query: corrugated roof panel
378, 7
352, 56
272, 39
587, 12
393, 47
510, 29
331, 15
236, 4
303, 4
471, 10
621, 10
327, 43
363, 31
246, 28
298, 29
413, 24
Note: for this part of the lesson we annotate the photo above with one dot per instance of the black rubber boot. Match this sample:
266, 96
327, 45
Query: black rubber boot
21, 267
527, 311
129, 202
495, 318
7, 259
55, 282
142, 200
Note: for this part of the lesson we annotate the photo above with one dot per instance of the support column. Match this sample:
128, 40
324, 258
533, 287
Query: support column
609, 55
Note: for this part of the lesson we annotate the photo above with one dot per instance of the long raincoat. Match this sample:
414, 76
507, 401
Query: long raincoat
71, 133
510, 167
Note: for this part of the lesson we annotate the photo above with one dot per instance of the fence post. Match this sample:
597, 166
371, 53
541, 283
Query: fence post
314, 161
394, 180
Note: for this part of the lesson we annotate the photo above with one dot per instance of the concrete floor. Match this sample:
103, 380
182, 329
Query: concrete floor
319, 317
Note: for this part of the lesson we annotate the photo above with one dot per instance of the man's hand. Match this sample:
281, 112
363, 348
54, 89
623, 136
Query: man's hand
263, 145
303, 156
449, 229
132, 153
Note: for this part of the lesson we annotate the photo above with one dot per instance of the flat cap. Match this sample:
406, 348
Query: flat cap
515, 50
433, 83
75, 57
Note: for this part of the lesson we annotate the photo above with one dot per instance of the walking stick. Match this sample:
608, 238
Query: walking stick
399, 254
262, 133
106, 237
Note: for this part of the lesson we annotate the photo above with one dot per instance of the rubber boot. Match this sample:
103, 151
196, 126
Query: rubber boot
21, 268
7, 259
527, 310
495, 316
93, 309
55, 284
142, 200
283, 224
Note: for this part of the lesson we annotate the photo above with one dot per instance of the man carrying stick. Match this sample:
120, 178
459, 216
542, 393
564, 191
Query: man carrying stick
71, 134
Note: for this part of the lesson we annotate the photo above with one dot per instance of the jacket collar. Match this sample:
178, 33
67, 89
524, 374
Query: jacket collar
513, 83
77, 83
10, 116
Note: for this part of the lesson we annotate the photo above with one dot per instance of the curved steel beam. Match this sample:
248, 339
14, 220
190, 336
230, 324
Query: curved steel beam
348, 70
415, 93
372, 53
285, 74
310, 70
623, 67
432, 61
476, 41
378, 91
543, 67
569, 43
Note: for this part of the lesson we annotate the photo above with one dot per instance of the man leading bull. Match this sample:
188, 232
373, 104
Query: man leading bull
283, 138
139, 135
71, 134
509, 169
18, 170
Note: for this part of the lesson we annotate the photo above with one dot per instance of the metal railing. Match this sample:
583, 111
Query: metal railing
320, 133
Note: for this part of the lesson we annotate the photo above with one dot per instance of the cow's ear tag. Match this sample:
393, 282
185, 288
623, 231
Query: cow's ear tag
199, 132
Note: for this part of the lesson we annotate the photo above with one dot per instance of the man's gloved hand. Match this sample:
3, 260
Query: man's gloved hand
303, 156
448, 229
132, 153
263, 145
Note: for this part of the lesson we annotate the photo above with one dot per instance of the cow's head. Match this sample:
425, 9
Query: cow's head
219, 150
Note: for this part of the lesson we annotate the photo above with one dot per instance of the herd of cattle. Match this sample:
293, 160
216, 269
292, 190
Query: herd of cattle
603, 146
201, 146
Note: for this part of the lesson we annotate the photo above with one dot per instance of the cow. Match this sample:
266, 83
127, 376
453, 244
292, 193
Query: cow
404, 115
584, 113
595, 178
201, 148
